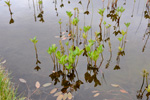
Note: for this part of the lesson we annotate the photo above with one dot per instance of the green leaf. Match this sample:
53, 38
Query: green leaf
86, 28
100, 49
120, 38
40, 2
101, 11
34, 40
69, 14
59, 55
84, 35
67, 43
69, 67
71, 58
104, 22
123, 32
63, 60
127, 24
120, 49
52, 49
148, 89
122, 9
87, 48
75, 21
91, 42
60, 21
8, 3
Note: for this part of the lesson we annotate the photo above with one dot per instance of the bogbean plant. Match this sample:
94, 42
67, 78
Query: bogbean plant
121, 39
85, 34
119, 12
68, 61
101, 12
69, 13
93, 55
34, 41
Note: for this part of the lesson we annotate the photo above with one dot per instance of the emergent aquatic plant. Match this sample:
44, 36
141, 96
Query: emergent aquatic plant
52, 51
34, 41
93, 55
101, 12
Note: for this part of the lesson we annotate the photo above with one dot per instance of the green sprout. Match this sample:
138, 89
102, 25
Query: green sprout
84, 35
8, 3
40, 2
120, 9
120, 38
91, 42
104, 23
86, 28
75, 21
60, 22
58, 54
123, 32
69, 14
127, 24
120, 49
148, 89
52, 49
69, 66
63, 60
34, 40
101, 11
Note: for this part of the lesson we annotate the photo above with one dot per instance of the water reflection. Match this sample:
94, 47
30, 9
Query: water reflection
87, 11
37, 7
11, 19
144, 85
147, 32
69, 81
66, 73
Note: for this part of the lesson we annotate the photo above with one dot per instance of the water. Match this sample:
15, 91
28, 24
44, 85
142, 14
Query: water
19, 51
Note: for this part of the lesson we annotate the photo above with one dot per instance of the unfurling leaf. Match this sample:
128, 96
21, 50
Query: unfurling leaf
97, 94
123, 91
53, 90
37, 85
57, 94
69, 95
60, 97
114, 85
46, 84
22, 80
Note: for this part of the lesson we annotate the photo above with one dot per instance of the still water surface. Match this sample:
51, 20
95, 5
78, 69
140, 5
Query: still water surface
19, 52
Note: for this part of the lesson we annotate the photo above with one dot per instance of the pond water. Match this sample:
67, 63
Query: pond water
27, 18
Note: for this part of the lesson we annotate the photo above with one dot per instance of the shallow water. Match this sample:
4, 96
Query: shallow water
19, 52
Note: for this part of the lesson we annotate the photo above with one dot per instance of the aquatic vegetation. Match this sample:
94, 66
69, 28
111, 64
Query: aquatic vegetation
7, 88
11, 19
8, 3
93, 55
34, 41
101, 12
40, 2
69, 61
145, 84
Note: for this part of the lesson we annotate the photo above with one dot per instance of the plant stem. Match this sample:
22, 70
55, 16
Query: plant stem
77, 62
